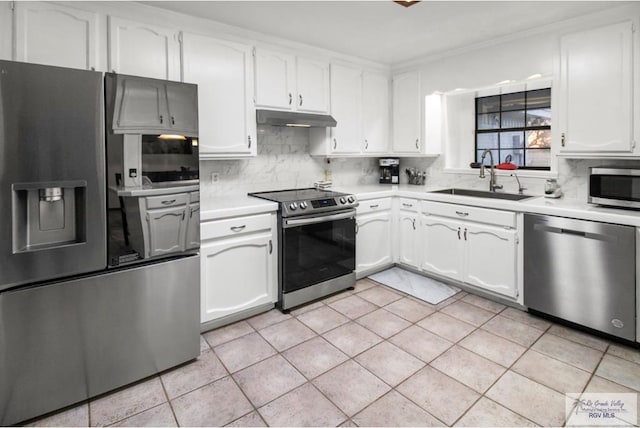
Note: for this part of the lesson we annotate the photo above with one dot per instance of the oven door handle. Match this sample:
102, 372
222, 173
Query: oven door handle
305, 221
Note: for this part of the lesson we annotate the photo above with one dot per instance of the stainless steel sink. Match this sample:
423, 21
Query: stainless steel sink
483, 194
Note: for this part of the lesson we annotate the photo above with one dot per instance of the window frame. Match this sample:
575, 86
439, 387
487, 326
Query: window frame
524, 129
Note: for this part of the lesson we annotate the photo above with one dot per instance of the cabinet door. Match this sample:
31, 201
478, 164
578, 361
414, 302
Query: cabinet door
596, 72
166, 229
224, 74
491, 258
375, 112
406, 113
312, 80
408, 231
275, 79
193, 227
140, 103
441, 243
373, 240
55, 35
237, 274
143, 50
183, 110
346, 108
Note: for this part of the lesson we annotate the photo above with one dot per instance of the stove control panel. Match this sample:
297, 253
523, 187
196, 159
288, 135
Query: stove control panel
296, 208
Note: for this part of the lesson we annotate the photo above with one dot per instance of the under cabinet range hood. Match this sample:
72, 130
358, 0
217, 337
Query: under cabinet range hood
288, 118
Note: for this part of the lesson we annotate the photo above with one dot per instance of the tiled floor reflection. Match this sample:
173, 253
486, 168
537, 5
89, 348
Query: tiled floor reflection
374, 357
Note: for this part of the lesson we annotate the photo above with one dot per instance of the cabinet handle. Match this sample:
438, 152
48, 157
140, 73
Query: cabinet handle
168, 202
183, 214
417, 143
414, 223
374, 206
335, 143
357, 228
270, 246
465, 233
366, 145
562, 139
238, 228
161, 119
290, 98
249, 140
458, 233
300, 96
404, 204
192, 210
173, 120
462, 214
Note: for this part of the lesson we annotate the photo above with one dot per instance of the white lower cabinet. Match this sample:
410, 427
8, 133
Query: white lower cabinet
473, 245
238, 265
373, 236
408, 233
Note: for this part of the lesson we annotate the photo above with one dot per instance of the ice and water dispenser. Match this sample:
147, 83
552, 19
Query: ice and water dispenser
48, 215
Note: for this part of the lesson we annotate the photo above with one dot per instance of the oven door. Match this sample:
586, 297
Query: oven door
615, 187
317, 249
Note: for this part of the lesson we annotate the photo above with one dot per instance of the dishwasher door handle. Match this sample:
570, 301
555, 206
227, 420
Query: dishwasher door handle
581, 233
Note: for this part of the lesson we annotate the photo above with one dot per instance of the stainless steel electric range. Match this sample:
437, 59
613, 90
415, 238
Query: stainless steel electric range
316, 243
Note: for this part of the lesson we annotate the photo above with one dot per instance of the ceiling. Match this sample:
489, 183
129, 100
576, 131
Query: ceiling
384, 31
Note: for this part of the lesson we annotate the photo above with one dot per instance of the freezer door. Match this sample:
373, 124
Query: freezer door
52, 173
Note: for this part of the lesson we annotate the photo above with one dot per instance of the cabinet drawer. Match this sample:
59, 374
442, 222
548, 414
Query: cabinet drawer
467, 213
165, 201
235, 226
409, 204
194, 197
374, 205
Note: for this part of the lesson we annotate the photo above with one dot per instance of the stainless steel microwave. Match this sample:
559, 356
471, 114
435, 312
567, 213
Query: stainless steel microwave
616, 187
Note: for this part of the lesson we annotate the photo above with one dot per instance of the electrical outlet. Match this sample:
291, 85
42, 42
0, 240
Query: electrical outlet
215, 177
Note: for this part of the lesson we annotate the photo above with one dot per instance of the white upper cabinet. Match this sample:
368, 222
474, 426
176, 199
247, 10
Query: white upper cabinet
283, 81
223, 71
346, 109
51, 34
407, 113
596, 91
143, 50
375, 112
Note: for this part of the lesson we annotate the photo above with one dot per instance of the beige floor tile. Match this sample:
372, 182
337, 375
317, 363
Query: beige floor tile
444, 303
74, 417
315, 357
468, 313
625, 352
204, 346
492, 347
323, 319
550, 372
577, 355
304, 406
216, 404
380, 295
352, 338
227, 333
620, 371
446, 326
253, 419
351, 387
268, 379
268, 318
536, 402
160, 416
286, 334
487, 413
338, 296
126, 402
206, 369
515, 331
527, 318
580, 337
598, 384
348, 423
383, 323
244, 351
468, 368
394, 410
389, 363
306, 308
483, 303
364, 284
438, 394
420, 343
410, 309
353, 306
460, 294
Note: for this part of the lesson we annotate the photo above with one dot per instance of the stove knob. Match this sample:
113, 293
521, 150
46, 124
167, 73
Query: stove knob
293, 206
343, 200
303, 205
351, 199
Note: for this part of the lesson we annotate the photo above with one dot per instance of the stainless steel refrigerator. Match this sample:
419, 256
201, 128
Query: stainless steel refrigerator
70, 328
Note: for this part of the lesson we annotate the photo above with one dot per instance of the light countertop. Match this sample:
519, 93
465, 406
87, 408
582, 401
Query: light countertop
237, 205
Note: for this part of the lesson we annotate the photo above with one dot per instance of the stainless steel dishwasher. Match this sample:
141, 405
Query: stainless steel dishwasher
581, 271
